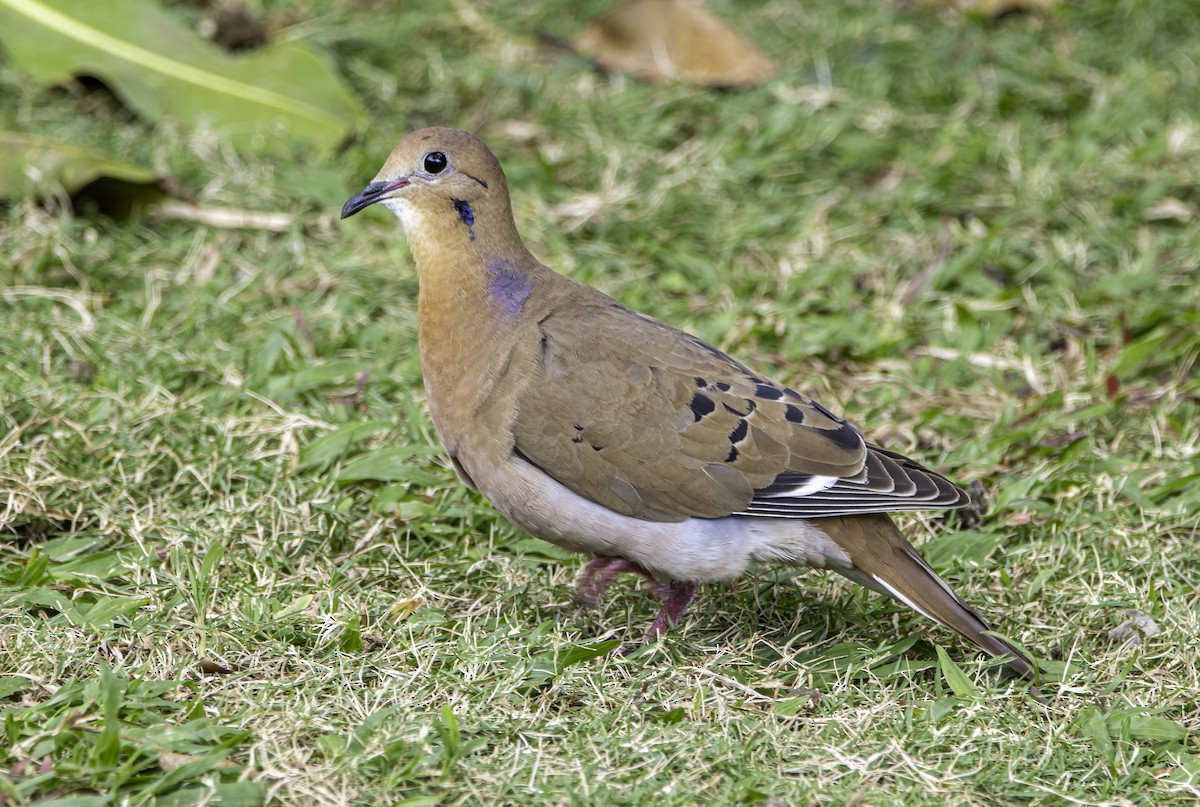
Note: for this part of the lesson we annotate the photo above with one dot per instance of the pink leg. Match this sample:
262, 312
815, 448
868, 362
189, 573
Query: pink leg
597, 577
678, 597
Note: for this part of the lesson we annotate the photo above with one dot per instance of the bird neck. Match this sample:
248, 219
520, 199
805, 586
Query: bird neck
473, 293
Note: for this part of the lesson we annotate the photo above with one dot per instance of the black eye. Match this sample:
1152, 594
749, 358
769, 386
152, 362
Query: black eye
435, 162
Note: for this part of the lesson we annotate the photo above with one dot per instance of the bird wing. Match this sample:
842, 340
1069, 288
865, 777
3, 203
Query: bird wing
651, 422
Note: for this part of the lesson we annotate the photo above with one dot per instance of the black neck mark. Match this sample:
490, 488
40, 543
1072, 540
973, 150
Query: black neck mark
467, 215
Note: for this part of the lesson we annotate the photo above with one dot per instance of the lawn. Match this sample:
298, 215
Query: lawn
236, 569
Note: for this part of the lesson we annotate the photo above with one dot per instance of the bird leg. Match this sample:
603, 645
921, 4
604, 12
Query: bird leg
598, 575
678, 596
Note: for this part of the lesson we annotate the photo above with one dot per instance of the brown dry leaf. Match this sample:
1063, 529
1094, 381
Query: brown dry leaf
665, 40
209, 667
993, 8
173, 760
1137, 627
1168, 209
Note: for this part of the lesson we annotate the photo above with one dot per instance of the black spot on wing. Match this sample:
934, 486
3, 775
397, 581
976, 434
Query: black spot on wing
794, 414
702, 405
767, 392
739, 432
846, 436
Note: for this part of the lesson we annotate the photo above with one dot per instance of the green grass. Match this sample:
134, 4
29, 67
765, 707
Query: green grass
976, 239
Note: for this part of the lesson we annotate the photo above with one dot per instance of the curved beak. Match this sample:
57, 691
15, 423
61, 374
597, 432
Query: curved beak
375, 192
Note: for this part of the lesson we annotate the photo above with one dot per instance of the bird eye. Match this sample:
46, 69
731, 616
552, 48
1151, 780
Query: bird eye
435, 162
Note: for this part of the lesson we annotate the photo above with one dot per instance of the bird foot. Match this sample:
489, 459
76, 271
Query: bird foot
598, 575
678, 596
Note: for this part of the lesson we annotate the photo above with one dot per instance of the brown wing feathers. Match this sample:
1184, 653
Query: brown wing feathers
692, 432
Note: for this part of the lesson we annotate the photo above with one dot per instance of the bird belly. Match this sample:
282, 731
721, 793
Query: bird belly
694, 549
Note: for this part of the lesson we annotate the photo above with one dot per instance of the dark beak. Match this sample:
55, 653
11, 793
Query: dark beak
375, 192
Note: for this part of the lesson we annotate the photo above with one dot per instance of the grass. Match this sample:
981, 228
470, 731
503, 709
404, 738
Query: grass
235, 569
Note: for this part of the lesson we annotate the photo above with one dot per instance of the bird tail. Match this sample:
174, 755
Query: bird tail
886, 562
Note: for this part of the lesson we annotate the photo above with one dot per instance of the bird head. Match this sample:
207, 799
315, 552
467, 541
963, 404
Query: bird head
434, 176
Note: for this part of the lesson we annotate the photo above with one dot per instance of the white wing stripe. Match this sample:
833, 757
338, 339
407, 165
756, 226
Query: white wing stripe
814, 485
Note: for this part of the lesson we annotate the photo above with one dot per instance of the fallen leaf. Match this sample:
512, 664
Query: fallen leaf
173, 760
1168, 209
33, 165
267, 101
210, 667
666, 40
1137, 627
993, 8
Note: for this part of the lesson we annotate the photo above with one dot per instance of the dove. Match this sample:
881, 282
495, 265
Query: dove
609, 433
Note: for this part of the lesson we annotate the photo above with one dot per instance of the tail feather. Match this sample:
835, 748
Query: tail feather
886, 562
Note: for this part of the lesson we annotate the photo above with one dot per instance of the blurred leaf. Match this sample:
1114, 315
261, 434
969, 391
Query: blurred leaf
1091, 724
546, 668
11, 684
287, 386
281, 94
329, 448
34, 165
671, 717
993, 8
1136, 354
351, 638
941, 707
665, 40
956, 549
389, 465
1144, 727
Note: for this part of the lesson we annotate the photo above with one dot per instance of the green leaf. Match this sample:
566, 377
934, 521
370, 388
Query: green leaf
956, 679
11, 684
286, 387
33, 165
106, 610
1091, 724
281, 94
1144, 727
331, 447
351, 639
671, 716
956, 549
576, 654
389, 465
447, 729
942, 707
77, 801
